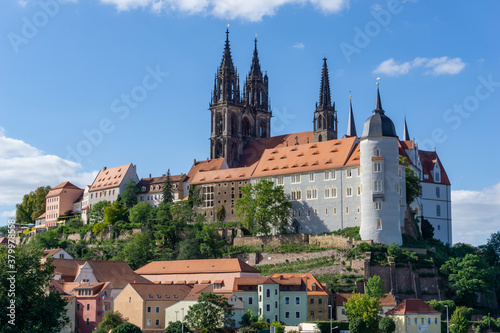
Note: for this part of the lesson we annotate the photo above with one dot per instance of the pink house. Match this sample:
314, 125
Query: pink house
59, 200
93, 299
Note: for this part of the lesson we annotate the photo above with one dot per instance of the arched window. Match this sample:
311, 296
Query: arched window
246, 128
438, 192
320, 122
437, 177
438, 210
320, 138
219, 124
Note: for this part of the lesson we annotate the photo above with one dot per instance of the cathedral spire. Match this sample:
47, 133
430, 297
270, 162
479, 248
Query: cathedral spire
256, 89
226, 85
227, 60
255, 69
406, 135
325, 98
351, 126
378, 103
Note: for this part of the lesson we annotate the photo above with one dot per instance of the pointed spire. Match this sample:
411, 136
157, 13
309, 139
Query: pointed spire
351, 125
255, 69
325, 98
227, 61
406, 135
378, 103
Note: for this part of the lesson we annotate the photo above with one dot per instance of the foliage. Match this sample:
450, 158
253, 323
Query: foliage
492, 248
116, 216
427, 230
357, 325
109, 321
297, 266
4, 231
440, 306
141, 215
459, 323
263, 207
32, 206
96, 214
211, 311
366, 308
32, 291
176, 327
248, 318
167, 228
129, 195
127, 328
324, 325
138, 251
349, 232
387, 325
467, 276
168, 195
413, 187
375, 287
280, 328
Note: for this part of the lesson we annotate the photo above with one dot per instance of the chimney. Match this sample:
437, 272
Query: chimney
149, 175
194, 161
104, 169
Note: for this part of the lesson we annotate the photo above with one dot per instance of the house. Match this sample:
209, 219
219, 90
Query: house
219, 272
144, 304
70, 314
93, 300
318, 297
40, 224
387, 303
151, 188
4, 241
59, 200
55, 253
414, 315
110, 183
117, 273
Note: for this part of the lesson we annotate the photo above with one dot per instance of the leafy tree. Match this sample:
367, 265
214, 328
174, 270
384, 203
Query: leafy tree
169, 227
211, 311
4, 231
280, 328
116, 216
387, 325
32, 206
440, 307
138, 251
168, 195
32, 291
248, 318
48, 240
427, 230
375, 287
467, 276
96, 214
129, 195
127, 328
493, 247
194, 196
366, 308
141, 215
357, 325
413, 187
176, 327
109, 321
263, 207
459, 323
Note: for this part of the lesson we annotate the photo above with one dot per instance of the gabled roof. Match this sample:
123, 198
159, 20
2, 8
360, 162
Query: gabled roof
223, 175
428, 159
50, 252
309, 280
196, 266
161, 292
197, 290
70, 287
4, 240
306, 157
206, 165
61, 188
110, 178
147, 182
117, 273
412, 306
40, 217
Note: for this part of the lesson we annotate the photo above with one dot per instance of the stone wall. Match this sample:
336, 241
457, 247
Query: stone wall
271, 240
125, 235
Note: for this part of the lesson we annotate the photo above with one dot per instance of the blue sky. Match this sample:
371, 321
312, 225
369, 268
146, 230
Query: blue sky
77, 91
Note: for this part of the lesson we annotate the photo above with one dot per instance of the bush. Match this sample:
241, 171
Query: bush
324, 326
357, 325
127, 328
387, 325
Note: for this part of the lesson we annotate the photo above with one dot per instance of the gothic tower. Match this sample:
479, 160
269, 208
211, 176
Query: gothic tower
325, 116
226, 111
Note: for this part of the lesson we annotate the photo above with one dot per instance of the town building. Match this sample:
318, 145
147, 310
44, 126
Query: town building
414, 315
40, 224
55, 253
388, 302
59, 200
151, 189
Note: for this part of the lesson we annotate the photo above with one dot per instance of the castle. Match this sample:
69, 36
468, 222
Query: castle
333, 182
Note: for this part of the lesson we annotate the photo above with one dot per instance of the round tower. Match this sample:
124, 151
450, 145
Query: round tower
381, 195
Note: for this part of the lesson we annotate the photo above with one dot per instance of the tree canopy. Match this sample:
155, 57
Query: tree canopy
129, 195
109, 321
127, 328
176, 327
168, 194
366, 308
32, 206
211, 311
375, 287
264, 207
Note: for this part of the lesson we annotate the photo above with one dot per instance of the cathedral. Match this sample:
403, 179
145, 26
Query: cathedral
332, 182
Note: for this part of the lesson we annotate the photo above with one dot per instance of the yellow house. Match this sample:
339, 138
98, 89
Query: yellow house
144, 304
414, 315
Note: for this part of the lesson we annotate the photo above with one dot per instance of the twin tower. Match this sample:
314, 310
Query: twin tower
238, 117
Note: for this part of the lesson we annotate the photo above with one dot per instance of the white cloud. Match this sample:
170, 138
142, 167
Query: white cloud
475, 215
23, 168
435, 66
229, 9
299, 46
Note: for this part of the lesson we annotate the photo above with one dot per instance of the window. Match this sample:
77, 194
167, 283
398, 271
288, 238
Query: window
334, 192
327, 175
348, 173
378, 205
311, 176
438, 210
287, 314
349, 191
409, 320
78, 307
250, 300
275, 292
429, 321
280, 180
287, 300
379, 224
311, 194
268, 292
268, 307
359, 190
157, 322
149, 322
343, 311
157, 310
439, 227
88, 307
87, 321
260, 289
347, 209
422, 321
416, 321
435, 321
320, 314
320, 301
400, 172
311, 301
377, 152
105, 293
260, 298
312, 315
334, 210
327, 192
357, 209
208, 196
77, 321
149, 309
377, 186
437, 177
275, 304
295, 179
297, 300
297, 314
296, 195
438, 192
377, 166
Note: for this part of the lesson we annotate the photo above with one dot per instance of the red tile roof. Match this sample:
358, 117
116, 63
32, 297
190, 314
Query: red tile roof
60, 188
161, 292
197, 290
223, 175
412, 306
110, 178
428, 160
206, 165
195, 266
308, 279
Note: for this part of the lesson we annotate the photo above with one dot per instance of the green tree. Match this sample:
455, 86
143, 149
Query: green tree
116, 216
459, 323
176, 327
129, 195
138, 250
366, 308
109, 321
427, 230
127, 328
440, 306
413, 187
32, 206
168, 194
32, 291
141, 215
467, 276
280, 328
375, 287
248, 318
96, 214
263, 207
357, 325
170, 223
387, 325
492, 248
211, 311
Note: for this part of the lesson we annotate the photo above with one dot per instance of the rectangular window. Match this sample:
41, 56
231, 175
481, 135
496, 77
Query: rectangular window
287, 300
157, 322
320, 301
88, 321
377, 166
297, 314
348, 191
343, 311
435, 321
327, 192
311, 176
347, 209
378, 205
377, 186
311, 301
312, 315
149, 309
348, 173
320, 314
268, 307
250, 300
359, 190
334, 210
280, 180
297, 300
295, 179
334, 192
416, 321
78, 307
327, 175
157, 309
275, 304
88, 307
208, 196
149, 322
422, 321
296, 195
287, 314
379, 224
429, 321
357, 209
409, 320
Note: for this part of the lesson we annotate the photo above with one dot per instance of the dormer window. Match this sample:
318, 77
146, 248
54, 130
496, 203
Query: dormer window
143, 189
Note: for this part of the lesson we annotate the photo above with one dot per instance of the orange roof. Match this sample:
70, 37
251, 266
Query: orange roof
223, 175
40, 217
161, 292
388, 300
69, 287
308, 279
409, 144
251, 281
428, 159
412, 306
109, 178
196, 266
306, 157
50, 252
60, 188
197, 290
206, 165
